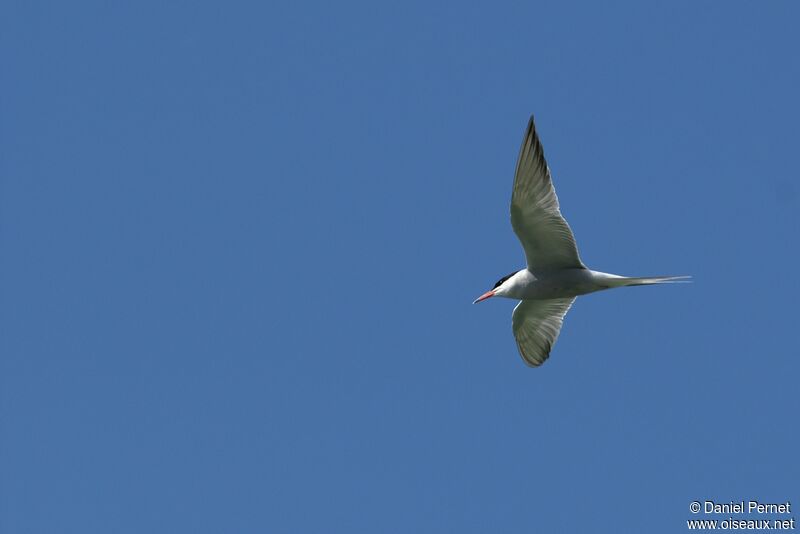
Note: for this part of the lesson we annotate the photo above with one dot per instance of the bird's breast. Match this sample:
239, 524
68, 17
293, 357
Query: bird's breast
562, 284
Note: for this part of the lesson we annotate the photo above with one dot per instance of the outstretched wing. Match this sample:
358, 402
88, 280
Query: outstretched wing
536, 325
535, 214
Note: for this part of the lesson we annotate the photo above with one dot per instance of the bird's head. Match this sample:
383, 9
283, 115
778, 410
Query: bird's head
500, 288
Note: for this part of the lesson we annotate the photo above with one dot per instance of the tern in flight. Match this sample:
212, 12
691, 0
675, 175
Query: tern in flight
555, 274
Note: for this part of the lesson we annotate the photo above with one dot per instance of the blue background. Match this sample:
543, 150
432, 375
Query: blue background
239, 245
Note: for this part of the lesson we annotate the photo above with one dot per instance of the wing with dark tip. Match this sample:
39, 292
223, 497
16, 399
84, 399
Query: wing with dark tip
535, 214
536, 325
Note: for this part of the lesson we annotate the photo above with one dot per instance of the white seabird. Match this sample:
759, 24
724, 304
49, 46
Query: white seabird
555, 274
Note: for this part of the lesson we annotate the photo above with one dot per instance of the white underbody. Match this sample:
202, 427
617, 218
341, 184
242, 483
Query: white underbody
565, 283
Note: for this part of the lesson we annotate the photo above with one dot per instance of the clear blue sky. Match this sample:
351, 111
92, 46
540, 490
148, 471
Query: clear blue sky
239, 244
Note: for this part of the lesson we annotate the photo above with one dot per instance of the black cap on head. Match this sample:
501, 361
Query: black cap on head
506, 277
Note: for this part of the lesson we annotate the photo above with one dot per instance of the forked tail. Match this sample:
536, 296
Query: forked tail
646, 281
